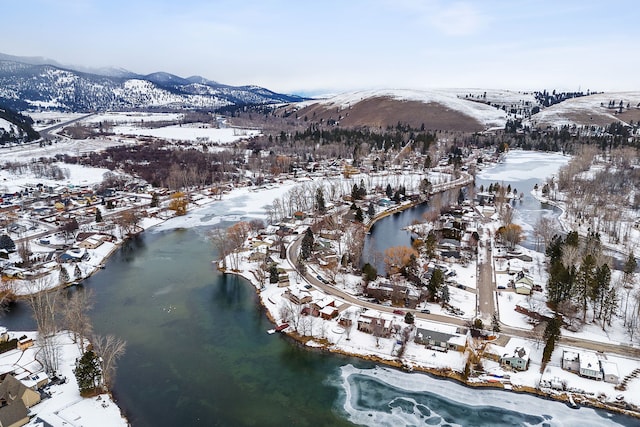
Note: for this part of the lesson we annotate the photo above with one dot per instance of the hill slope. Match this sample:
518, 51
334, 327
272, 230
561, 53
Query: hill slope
15, 127
445, 109
599, 109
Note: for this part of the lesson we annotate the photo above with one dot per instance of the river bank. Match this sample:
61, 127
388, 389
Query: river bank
367, 349
323, 345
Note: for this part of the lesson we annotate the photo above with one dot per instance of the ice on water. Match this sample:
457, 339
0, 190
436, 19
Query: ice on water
386, 397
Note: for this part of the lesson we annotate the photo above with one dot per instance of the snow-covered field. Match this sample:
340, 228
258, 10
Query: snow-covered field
78, 175
132, 117
46, 119
194, 132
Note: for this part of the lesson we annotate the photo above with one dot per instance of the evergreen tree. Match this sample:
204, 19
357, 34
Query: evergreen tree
427, 162
551, 336
444, 295
77, 274
369, 272
362, 191
554, 249
98, 215
88, 373
320, 204
610, 306
273, 273
371, 210
585, 281
425, 186
560, 283
409, 318
359, 217
355, 193
435, 283
495, 322
63, 277
389, 191
301, 267
155, 200
7, 243
431, 244
572, 239
629, 267
306, 247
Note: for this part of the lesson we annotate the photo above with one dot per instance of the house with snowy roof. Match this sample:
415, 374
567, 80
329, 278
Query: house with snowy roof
440, 337
514, 354
610, 372
379, 324
517, 359
523, 285
590, 366
297, 295
570, 361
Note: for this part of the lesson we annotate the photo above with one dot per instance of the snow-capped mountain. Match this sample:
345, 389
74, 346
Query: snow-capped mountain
30, 83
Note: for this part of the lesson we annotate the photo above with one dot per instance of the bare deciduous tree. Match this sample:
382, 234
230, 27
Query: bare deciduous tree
109, 349
218, 237
76, 318
44, 304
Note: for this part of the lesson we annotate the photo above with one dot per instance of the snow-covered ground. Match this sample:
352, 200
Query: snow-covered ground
132, 117
78, 175
194, 132
7, 126
46, 119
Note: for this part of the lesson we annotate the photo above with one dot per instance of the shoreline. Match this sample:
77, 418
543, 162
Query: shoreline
572, 400
325, 347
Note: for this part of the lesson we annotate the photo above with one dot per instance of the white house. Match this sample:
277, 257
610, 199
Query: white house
590, 366
610, 371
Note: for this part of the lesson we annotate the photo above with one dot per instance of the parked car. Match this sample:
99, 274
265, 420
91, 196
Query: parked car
501, 287
400, 312
460, 286
425, 311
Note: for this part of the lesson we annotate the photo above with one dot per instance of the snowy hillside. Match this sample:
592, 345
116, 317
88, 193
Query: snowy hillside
6, 126
599, 109
469, 102
24, 86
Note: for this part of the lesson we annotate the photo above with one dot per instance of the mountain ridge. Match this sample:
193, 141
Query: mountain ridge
38, 84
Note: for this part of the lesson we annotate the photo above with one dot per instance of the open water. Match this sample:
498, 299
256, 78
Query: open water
198, 355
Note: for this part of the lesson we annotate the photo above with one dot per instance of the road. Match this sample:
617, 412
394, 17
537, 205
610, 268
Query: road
292, 252
47, 133
487, 296
486, 290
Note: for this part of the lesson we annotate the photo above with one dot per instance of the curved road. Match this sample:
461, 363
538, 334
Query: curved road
487, 292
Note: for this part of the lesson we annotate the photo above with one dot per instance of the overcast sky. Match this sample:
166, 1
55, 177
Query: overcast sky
327, 46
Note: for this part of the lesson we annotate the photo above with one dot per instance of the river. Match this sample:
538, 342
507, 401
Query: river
198, 354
